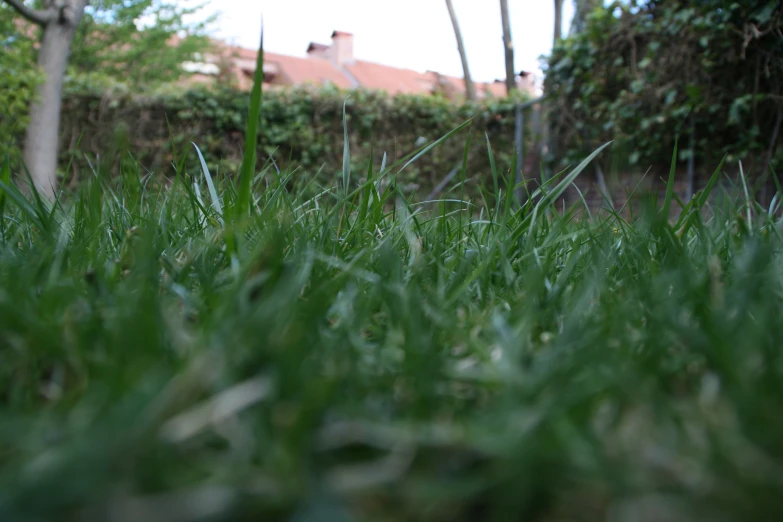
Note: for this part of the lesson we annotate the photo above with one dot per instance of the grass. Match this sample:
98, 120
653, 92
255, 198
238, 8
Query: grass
208, 351
342, 359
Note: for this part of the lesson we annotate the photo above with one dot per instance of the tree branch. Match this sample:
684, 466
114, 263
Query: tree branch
33, 15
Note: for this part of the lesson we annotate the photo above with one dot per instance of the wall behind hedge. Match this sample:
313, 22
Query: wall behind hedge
300, 128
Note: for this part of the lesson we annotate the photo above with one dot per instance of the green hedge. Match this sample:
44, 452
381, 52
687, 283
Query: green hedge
642, 72
301, 128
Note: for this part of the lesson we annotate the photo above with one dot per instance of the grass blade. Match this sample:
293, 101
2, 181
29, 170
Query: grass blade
436, 143
346, 152
558, 190
667, 202
748, 203
251, 134
211, 186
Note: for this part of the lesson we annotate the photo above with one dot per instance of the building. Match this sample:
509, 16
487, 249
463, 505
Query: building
335, 65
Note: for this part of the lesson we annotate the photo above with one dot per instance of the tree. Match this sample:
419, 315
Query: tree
102, 36
558, 21
550, 136
470, 88
647, 73
582, 8
508, 45
58, 20
111, 40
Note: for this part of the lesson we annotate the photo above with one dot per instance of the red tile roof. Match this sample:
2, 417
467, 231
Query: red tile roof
300, 71
390, 79
319, 68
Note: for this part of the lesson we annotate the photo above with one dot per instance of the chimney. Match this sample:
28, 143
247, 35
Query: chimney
316, 50
342, 48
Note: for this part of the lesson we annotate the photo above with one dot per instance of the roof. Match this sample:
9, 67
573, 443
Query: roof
390, 79
317, 47
494, 89
299, 71
317, 69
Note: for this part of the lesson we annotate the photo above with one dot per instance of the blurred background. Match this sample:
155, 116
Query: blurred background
412, 34
548, 82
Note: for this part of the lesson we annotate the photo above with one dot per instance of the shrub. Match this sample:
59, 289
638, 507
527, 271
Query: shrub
300, 126
643, 72
18, 80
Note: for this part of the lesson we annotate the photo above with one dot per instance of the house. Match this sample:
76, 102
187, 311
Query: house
325, 65
335, 65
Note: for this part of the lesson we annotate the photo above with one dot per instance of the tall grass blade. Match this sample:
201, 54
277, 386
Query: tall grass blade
667, 202
251, 134
210, 186
15, 195
687, 218
5, 178
746, 192
365, 199
561, 187
346, 152
436, 143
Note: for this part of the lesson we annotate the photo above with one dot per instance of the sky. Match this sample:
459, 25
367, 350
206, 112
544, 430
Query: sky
414, 34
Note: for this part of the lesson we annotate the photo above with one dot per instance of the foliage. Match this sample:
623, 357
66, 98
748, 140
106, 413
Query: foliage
18, 80
135, 43
582, 8
643, 72
299, 126
112, 50
352, 357
131, 40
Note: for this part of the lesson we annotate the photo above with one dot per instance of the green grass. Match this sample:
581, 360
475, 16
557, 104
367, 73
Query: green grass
355, 357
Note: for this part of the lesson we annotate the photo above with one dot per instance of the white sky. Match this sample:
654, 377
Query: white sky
415, 34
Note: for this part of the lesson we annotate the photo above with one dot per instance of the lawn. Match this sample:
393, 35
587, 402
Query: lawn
172, 352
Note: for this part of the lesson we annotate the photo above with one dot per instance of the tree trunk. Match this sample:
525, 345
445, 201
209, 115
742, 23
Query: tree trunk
42, 136
558, 21
59, 20
508, 44
470, 88
549, 148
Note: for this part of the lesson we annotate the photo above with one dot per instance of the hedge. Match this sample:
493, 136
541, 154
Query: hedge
301, 128
645, 73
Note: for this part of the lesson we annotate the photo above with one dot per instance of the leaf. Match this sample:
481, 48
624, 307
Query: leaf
667, 202
346, 152
251, 134
210, 186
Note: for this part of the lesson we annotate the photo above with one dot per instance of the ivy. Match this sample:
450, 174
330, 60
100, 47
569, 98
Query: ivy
643, 72
18, 81
300, 128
